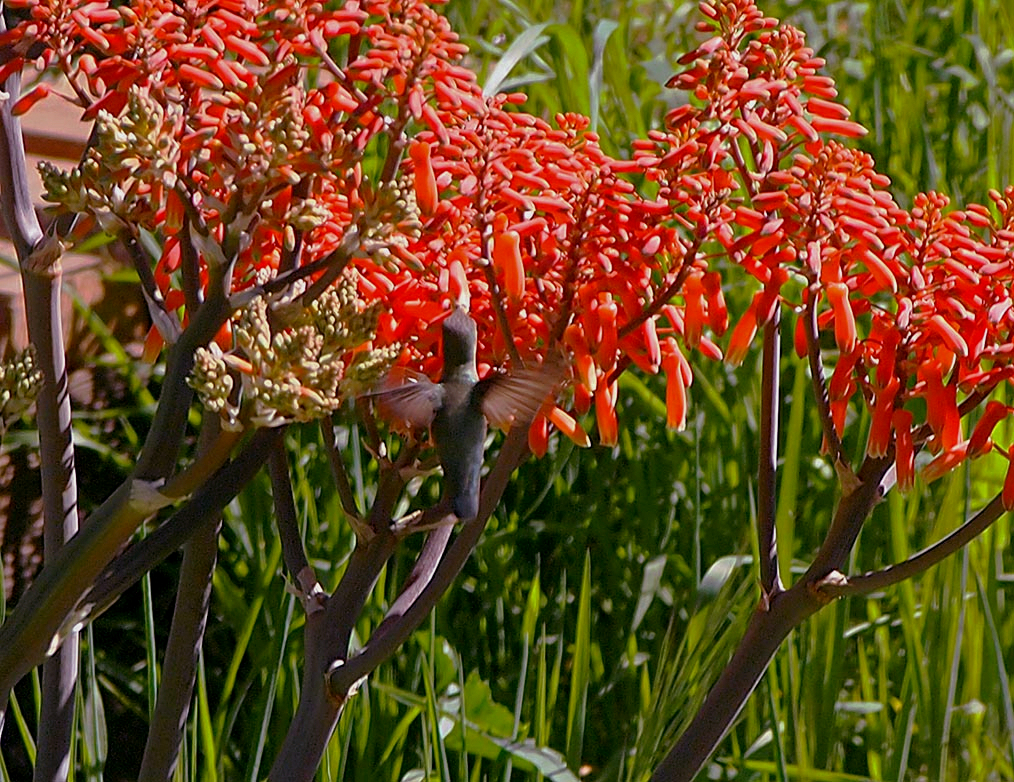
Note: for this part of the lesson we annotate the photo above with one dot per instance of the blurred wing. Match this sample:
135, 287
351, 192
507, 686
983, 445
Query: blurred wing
518, 396
408, 400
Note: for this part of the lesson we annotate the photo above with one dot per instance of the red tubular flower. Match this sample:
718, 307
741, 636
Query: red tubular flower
582, 399
844, 321
718, 315
946, 461
651, 342
30, 98
799, 339
605, 414
950, 336
904, 450
424, 178
538, 435
507, 261
675, 393
743, 334
880, 271
567, 424
693, 309
980, 441
886, 357
838, 127
839, 410
879, 439
607, 350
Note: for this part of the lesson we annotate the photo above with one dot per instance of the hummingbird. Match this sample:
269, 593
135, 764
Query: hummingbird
456, 409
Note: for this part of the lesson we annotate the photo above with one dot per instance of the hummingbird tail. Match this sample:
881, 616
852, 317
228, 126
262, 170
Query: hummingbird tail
466, 504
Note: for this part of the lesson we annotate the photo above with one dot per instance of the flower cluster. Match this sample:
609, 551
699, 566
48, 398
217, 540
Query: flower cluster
288, 363
20, 381
390, 163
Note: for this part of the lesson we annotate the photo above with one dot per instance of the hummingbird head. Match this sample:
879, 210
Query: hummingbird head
459, 343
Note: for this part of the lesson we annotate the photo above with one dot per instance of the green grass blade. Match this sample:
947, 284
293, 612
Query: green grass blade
526, 43
577, 705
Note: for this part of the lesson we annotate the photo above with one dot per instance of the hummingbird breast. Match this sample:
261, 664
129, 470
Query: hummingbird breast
459, 429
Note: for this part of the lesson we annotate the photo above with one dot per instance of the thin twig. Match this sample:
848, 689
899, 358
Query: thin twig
190, 267
418, 578
293, 553
820, 396
767, 495
282, 281
338, 260
167, 323
341, 477
925, 559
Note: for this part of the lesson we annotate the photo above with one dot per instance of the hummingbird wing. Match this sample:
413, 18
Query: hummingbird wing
408, 400
516, 397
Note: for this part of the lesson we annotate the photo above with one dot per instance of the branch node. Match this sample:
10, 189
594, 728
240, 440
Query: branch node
825, 589
339, 698
309, 591
847, 477
424, 521
146, 497
44, 259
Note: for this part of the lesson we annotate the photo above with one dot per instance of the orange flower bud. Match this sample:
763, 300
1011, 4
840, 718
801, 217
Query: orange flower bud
718, 313
173, 211
946, 461
582, 399
152, 345
839, 410
605, 414
799, 336
586, 370
904, 451
30, 98
880, 425
538, 435
693, 310
710, 350
651, 342
507, 261
675, 393
424, 179
608, 344
880, 271
888, 352
223, 337
844, 321
457, 280
950, 336
567, 424
980, 441
743, 334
